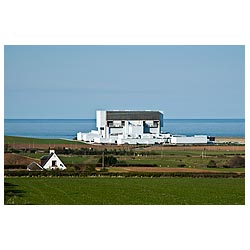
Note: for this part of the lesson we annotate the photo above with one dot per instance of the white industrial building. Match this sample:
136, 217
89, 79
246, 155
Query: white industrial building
182, 139
133, 127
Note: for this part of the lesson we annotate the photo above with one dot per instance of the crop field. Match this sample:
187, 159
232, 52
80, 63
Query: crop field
122, 182
194, 162
27, 140
124, 191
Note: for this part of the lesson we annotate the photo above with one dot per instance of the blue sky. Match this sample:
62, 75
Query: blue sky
75, 81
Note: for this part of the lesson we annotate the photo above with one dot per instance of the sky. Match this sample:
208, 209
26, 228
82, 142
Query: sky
74, 81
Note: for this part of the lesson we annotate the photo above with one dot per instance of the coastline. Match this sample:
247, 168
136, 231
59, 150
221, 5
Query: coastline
67, 128
221, 143
231, 139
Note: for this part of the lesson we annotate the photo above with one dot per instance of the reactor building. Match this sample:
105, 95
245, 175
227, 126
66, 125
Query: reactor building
134, 127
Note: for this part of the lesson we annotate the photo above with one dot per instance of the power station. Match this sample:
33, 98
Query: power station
134, 127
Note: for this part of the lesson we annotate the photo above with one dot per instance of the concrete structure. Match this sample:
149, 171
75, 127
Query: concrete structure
134, 127
50, 161
126, 127
182, 139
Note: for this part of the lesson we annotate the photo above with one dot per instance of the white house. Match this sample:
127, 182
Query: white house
52, 161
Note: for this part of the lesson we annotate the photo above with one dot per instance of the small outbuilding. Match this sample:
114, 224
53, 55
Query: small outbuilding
34, 167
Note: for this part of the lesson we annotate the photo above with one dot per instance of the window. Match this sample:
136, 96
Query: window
53, 163
156, 123
109, 123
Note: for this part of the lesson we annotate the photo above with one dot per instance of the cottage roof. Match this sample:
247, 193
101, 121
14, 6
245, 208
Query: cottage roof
45, 158
34, 166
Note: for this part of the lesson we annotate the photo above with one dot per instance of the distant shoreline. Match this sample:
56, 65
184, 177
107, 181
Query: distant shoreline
218, 139
232, 139
68, 128
165, 119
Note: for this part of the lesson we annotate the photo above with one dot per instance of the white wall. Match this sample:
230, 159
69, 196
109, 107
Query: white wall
188, 139
140, 141
59, 163
100, 118
135, 130
79, 136
116, 130
101, 122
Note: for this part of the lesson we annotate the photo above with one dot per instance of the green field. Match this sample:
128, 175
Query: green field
67, 159
161, 161
187, 162
27, 140
121, 191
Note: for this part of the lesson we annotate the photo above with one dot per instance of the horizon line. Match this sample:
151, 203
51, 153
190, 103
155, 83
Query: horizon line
227, 118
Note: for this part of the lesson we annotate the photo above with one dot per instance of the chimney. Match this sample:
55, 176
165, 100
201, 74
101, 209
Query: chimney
52, 151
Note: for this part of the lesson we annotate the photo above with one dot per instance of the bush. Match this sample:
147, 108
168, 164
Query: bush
128, 174
24, 167
181, 165
237, 162
90, 168
212, 164
70, 169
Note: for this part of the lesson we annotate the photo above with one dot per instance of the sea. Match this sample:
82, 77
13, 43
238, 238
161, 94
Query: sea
67, 128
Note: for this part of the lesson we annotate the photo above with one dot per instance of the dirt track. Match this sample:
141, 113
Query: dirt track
162, 170
158, 169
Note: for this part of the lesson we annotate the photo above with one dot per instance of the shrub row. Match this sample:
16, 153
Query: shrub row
85, 167
234, 162
15, 166
129, 174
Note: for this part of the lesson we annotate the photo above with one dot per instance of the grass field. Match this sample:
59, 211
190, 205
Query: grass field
72, 159
121, 191
163, 161
177, 161
16, 139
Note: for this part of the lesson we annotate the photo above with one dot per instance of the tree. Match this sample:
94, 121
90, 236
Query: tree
108, 160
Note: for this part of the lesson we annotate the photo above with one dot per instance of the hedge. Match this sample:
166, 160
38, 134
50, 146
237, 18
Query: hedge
15, 166
116, 174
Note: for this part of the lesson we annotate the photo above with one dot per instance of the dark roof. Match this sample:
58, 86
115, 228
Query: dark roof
134, 115
45, 158
34, 166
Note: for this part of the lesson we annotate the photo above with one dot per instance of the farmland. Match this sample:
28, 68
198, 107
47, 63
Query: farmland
16, 140
164, 156
142, 174
124, 191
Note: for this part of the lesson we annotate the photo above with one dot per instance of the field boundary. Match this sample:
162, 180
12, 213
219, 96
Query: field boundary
23, 173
